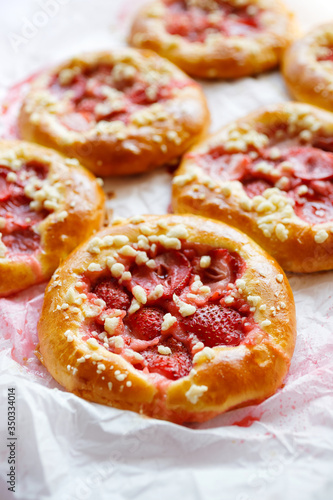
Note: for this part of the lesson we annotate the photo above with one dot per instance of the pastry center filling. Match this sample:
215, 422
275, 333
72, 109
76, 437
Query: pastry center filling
304, 173
17, 218
107, 93
195, 20
189, 302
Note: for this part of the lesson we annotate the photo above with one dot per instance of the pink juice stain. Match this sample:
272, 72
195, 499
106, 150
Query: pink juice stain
19, 315
248, 420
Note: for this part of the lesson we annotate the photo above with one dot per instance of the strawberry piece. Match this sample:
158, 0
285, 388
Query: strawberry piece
311, 163
256, 187
222, 268
113, 294
78, 87
328, 56
315, 211
224, 166
24, 241
15, 209
215, 325
146, 323
137, 94
87, 105
173, 366
324, 143
173, 272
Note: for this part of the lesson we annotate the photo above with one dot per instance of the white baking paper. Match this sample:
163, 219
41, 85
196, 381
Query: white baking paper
69, 449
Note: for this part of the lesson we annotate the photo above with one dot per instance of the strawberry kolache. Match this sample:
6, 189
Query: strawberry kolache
119, 113
48, 205
168, 316
215, 38
270, 174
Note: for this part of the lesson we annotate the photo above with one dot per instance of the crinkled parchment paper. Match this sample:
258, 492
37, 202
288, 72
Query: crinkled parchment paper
68, 448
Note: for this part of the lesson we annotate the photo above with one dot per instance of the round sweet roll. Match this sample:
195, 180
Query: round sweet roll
175, 317
269, 174
308, 67
48, 205
216, 38
119, 113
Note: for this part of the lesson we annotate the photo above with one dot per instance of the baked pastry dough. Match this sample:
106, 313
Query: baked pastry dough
269, 174
216, 38
118, 113
48, 205
178, 318
308, 67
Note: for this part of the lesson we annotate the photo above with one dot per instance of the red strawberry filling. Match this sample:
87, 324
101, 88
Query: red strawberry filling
114, 296
16, 216
195, 23
172, 271
308, 166
146, 323
172, 366
158, 331
216, 325
96, 95
327, 56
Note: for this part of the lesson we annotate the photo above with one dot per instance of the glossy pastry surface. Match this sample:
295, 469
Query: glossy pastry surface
48, 205
216, 39
178, 318
119, 113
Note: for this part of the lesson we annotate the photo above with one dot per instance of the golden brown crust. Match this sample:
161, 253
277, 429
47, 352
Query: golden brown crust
223, 377
77, 211
296, 244
219, 56
156, 133
309, 79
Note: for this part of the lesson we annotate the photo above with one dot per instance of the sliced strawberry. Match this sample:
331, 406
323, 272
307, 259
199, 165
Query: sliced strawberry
146, 323
78, 87
221, 267
315, 211
15, 205
115, 296
320, 189
173, 366
225, 166
256, 187
328, 56
24, 241
35, 168
215, 325
173, 272
137, 94
87, 105
311, 163
324, 143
